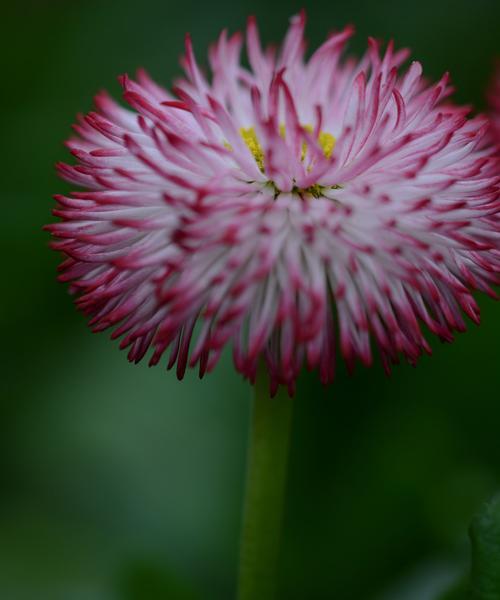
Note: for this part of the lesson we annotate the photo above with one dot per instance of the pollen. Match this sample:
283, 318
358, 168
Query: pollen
252, 141
325, 140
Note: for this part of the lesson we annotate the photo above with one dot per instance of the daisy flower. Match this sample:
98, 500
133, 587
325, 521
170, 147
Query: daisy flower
296, 209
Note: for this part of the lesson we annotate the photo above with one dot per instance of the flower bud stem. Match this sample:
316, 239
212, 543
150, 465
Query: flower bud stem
265, 490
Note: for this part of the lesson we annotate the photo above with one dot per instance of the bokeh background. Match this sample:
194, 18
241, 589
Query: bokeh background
120, 483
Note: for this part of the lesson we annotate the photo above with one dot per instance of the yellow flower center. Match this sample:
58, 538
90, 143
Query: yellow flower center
252, 141
325, 140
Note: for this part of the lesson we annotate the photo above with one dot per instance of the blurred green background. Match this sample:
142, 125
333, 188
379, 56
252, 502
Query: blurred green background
118, 482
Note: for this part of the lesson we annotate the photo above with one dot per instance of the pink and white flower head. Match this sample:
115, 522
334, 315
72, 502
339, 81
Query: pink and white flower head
494, 101
288, 209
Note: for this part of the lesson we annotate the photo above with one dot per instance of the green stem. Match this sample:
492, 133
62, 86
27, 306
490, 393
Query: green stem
265, 490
